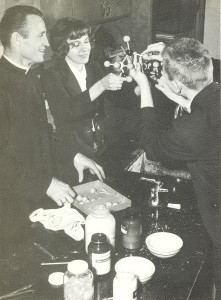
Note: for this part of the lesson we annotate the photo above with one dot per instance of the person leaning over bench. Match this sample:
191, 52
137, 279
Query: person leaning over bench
194, 138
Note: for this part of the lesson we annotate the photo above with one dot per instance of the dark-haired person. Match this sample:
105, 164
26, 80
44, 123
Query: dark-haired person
194, 138
26, 165
71, 87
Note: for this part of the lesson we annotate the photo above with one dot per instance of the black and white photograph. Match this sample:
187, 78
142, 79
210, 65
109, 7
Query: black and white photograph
110, 150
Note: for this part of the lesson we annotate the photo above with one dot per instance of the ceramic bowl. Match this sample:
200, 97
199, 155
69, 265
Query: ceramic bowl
162, 255
164, 244
142, 267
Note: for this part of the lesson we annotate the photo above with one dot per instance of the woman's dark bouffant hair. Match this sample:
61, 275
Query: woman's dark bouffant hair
64, 29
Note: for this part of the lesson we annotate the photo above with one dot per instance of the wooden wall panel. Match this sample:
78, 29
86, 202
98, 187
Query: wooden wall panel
2, 8
4, 4
138, 26
55, 9
9, 3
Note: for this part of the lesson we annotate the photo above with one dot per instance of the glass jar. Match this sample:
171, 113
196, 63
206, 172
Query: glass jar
100, 220
99, 253
125, 286
131, 228
78, 281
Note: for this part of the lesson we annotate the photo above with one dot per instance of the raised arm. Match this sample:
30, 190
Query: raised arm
143, 83
111, 82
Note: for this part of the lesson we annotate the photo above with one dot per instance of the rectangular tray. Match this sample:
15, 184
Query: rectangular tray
103, 195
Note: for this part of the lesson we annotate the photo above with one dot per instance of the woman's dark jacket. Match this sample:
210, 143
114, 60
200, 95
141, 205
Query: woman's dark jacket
73, 112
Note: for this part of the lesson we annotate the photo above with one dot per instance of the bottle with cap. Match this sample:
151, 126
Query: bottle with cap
78, 281
131, 229
100, 220
99, 252
125, 286
56, 284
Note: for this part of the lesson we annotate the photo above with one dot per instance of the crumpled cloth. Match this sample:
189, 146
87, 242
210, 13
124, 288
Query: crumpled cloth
64, 218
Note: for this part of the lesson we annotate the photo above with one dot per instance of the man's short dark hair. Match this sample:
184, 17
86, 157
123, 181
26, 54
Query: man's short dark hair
188, 61
64, 29
14, 20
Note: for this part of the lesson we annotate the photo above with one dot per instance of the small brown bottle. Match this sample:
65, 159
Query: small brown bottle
99, 252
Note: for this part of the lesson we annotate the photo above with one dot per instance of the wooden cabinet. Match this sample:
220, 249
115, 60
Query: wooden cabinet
91, 11
4, 4
55, 9
99, 11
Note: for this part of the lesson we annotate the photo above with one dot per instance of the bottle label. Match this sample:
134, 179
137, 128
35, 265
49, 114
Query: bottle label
123, 229
124, 288
101, 262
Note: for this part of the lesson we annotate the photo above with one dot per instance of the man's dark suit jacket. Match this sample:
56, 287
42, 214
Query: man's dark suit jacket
195, 139
25, 160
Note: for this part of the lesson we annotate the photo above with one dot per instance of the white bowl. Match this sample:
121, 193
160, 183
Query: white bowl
141, 267
162, 252
164, 255
164, 244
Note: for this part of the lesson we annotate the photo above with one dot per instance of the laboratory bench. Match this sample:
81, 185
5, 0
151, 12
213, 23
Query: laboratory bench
187, 275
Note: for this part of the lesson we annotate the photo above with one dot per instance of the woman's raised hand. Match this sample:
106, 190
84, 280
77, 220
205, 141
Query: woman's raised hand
112, 82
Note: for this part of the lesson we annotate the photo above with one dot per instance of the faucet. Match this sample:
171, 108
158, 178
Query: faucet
154, 196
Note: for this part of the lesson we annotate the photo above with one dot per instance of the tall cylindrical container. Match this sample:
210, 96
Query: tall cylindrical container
100, 220
125, 287
131, 228
78, 281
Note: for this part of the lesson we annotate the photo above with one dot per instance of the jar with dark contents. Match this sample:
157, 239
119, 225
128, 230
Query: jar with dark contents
99, 252
131, 229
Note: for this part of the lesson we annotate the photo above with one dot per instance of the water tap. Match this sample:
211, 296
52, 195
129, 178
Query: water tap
154, 196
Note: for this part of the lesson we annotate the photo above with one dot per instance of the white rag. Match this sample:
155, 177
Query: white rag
65, 218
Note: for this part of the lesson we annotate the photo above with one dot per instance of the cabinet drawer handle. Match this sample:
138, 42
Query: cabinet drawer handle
103, 9
108, 8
